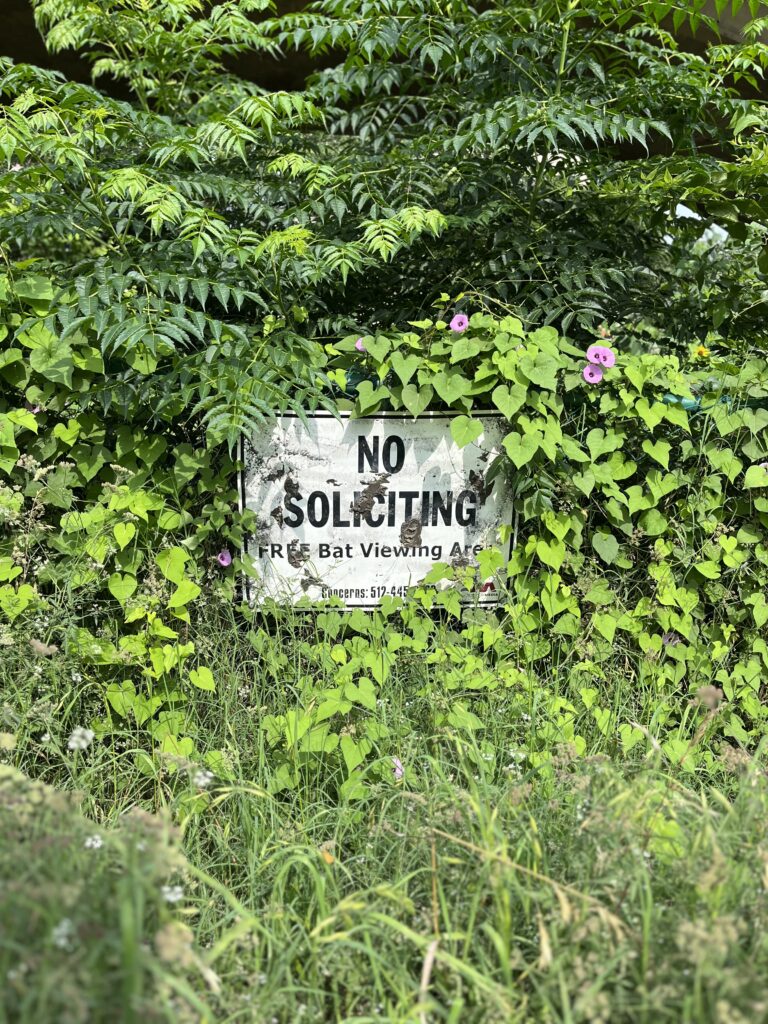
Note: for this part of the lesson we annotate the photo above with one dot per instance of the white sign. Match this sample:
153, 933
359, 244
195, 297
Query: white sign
365, 507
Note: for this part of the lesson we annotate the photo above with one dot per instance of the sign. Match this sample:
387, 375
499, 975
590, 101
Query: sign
360, 508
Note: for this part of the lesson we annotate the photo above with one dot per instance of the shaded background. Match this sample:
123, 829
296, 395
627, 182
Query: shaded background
22, 42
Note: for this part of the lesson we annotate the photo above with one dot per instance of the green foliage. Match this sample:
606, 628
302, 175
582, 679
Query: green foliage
87, 933
558, 139
641, 516
505, 878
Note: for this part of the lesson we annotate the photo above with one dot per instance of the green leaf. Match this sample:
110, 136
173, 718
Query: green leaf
708, 569
521, 447
363, 692
416, 399
605, 624
354, 752
171, 563
124, 534
509, 400
654, 523
54, 361
404, 366
185, 592
756, 476
659, 451
121, 697
599, 442
551, 553
451, 385
202, 678
370, 398
121, 587
465, 430
378, 347
541, 371
464, 348
606, 546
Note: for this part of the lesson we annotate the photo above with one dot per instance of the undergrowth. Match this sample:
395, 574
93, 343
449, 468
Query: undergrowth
465, 880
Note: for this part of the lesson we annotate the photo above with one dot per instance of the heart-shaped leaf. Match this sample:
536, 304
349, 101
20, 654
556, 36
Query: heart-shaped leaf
124, 534
202, 678
521, 447
404, 366
606, 545
370, 398
121, 586
756, 476
185, 592
465, 430
630, 736
551, 553
509, 400
171, 563
658, 451
416, 399
451, 385
121, 697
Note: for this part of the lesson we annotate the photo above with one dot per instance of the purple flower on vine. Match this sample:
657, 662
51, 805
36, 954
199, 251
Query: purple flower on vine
459, 323
602, 355
398, 769
592, 374
224, 558
359, 345
671, 639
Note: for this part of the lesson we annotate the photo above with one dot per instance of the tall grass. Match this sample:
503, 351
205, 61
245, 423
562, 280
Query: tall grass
475, 888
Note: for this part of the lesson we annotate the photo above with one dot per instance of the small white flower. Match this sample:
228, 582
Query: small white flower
93, 843
80, 739
45, 738
76, 677
202, 778
172, 893
63, 934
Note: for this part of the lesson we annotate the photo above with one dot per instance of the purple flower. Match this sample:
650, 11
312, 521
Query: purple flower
671, 639
602, 355
359, 345
459, 323
224, 558
592, 374
763, 465
607, 357
398, 769
34, 409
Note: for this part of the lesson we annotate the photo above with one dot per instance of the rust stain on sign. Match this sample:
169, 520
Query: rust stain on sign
363, 505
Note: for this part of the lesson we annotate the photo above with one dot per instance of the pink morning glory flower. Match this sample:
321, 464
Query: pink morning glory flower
224, 558
607, 357
459, 323
592, 374
601, 354
398, 769
359, 345
763, 465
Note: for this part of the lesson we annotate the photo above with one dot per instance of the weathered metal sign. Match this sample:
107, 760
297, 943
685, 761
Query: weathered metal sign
365, 507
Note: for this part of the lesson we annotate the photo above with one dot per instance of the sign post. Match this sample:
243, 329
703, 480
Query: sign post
362, 508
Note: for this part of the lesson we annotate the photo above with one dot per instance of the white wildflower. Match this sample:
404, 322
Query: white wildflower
63, 934
93, 843
172, 893
202, 778
80, 739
